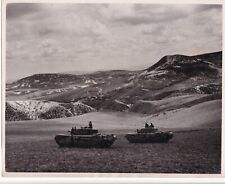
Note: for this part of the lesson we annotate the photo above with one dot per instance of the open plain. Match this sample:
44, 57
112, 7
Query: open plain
30, 145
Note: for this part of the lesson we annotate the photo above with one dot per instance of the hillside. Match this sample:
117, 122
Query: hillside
172, 76
60, 80
174, 82
33, 110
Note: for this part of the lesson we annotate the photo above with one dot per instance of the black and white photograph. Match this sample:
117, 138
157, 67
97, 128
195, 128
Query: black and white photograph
123, 88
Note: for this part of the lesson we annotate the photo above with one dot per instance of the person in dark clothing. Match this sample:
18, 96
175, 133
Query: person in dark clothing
90, 124
146, 125
152, 126
72, 131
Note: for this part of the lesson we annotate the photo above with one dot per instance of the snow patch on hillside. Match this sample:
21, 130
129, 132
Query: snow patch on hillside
90, 82
32, 107
122, 103
154, 73
35, 109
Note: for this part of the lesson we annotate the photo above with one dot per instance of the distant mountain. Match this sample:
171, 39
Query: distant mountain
139, 91
59, 80
206, 64
48, 80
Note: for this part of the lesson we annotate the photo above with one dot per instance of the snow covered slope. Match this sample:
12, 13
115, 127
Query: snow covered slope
35, 109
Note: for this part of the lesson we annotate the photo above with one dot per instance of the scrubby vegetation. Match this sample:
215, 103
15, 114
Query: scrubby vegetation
36, 109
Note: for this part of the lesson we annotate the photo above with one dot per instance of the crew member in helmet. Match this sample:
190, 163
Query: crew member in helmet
72, 131
90, 124
146, 125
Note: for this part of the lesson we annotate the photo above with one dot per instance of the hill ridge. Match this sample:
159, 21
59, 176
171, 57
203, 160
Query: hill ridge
120, 90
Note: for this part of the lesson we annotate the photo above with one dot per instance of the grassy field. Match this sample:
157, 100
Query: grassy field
30, 147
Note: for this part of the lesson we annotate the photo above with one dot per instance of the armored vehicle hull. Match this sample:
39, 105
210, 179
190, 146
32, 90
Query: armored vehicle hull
154, 137
85, 141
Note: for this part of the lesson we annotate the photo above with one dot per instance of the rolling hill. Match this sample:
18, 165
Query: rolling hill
174, 82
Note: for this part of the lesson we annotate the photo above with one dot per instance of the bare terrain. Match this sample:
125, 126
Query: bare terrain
195, 148
188, 152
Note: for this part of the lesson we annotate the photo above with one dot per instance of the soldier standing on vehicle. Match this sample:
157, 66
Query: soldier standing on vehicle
72, 131
90, 125
146, 125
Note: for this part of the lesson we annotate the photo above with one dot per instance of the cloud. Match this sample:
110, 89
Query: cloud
48, 48
106, 36
17, 10
207, 7
197, 27
153, 13
148, 14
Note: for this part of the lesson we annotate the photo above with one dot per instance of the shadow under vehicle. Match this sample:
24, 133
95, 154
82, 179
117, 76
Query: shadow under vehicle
85, 137
149, 134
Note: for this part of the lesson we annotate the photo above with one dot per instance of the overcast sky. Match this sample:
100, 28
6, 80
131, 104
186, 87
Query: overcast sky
82, 37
